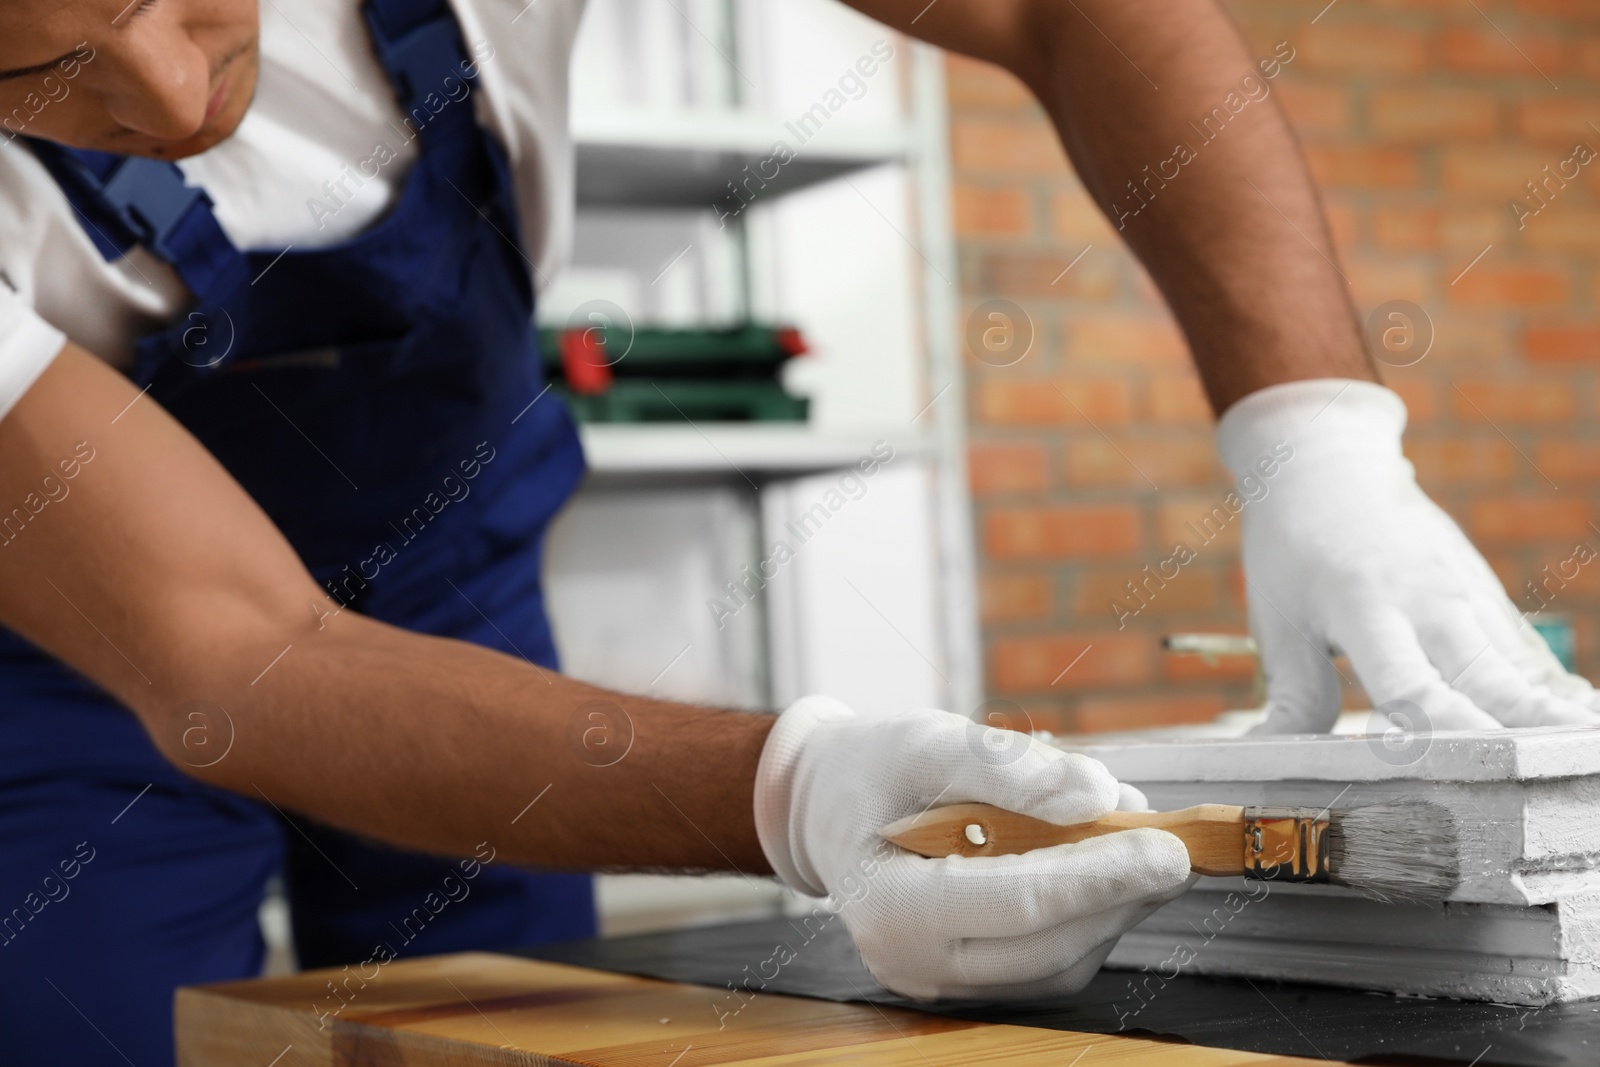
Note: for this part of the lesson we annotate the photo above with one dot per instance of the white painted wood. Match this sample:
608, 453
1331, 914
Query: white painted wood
1523, 927
1511, 955
1479, 756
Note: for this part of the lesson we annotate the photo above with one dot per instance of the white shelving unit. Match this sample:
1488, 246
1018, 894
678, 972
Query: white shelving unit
763, 450
849, 239
637, 157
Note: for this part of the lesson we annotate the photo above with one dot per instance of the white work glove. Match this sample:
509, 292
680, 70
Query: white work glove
1344, 549
1022, 926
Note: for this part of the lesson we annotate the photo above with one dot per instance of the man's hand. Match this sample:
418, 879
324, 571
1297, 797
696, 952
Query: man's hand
1031, 925
1345, 550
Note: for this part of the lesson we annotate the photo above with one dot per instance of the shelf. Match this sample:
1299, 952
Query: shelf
682, 158
730, 451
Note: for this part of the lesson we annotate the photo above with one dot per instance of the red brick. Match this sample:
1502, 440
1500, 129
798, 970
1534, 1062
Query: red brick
1095, 461
1559, 576
1522, 519
1103, 595
1013, 597
1175, 399
1316, 109
1005, 145
1018, 274
1510, 286
1478, 48
1235, 587
972, 83
1509, 572
990, 211
1564, 226
1350, 48
1457, 461
1067, 401
1012, 468
1037, 714
1419, 228
1576, 10
1124, 339
1432, 114
1375, 281
1190, 668
1411, 6
1562, 121
1031, 664
1410, 229
1343, 222
1351, 695
1084, 531
1536, 403
1587, 60
1103, 714
1362, 167
1497, 172
1075, 216
1578, 343
1564, 461
1420, 395
1463, 334
1193, 518
1472, 228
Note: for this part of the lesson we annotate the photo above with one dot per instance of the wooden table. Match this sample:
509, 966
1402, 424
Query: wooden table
487, 1010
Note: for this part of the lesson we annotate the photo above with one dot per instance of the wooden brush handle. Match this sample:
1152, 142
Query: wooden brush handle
1213, 833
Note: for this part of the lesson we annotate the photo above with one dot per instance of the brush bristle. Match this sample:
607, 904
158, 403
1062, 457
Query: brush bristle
1395, 852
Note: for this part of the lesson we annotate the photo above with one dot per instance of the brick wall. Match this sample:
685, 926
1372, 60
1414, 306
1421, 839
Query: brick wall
1422, 122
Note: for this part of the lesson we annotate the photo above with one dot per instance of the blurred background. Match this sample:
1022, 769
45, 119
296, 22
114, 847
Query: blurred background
805, 243
962, 298
1424, 122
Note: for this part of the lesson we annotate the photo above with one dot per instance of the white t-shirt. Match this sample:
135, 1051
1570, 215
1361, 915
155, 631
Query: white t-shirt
323, 103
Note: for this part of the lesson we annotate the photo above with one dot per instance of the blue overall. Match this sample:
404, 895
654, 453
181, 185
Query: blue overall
381, 400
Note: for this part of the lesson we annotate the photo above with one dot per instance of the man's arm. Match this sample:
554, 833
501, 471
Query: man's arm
156, 576
1236, 241
1233, 234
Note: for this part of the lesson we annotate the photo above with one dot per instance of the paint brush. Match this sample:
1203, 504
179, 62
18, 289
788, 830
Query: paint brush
1390, 852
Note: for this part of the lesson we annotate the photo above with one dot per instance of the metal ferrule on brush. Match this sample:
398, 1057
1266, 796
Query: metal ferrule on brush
1286, 844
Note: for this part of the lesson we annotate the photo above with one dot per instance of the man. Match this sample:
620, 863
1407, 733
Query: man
215, 405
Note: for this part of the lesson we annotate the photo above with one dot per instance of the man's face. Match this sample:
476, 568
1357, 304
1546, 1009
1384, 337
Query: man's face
158, 78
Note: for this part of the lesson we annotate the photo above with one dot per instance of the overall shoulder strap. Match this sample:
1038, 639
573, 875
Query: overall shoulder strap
124, 201
419, 44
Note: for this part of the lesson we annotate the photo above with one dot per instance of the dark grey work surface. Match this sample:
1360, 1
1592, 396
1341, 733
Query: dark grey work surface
1272, 1017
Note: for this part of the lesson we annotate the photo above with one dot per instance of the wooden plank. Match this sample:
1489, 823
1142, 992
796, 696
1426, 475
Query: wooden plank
486, 1010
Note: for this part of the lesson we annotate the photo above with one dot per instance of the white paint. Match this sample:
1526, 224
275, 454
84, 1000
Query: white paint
1454, 756
1522, 928
1510, 955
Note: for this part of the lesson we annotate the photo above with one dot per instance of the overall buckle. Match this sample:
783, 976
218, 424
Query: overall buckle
151, 199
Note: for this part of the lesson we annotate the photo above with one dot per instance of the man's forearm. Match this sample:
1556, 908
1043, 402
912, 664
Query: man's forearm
152, 573
439, 744
1225, 218
1235, 237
